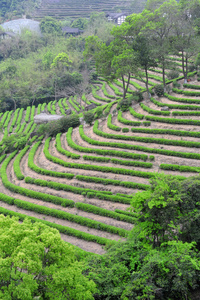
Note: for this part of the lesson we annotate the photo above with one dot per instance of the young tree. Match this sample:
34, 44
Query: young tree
158, 27
184, 40
35, 262
114, 61
50, 25
88, 117
159, 209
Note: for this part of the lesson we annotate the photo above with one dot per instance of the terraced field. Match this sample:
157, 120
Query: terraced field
76, 9
82, 181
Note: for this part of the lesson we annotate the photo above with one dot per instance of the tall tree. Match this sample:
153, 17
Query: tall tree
186, 39
35, 262
114, 61
158, 26
140, 43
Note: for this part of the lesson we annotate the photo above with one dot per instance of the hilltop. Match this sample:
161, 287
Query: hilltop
61, 9
82, 8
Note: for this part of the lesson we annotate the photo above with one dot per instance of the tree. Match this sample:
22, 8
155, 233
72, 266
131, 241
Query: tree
35, 262
132, 270
14, 142
160, 259
88, 117
80, 23
61, 61
159, 209
50, 26
153, 4
114, 61
158, 27
185, 40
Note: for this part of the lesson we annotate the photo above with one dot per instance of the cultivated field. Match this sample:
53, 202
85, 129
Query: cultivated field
82, 181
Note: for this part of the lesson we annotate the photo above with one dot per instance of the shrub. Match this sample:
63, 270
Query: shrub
62, 125
125, 130
159, 90
88, 117
176, 84
124, 104
151, 157
146, 123
173, 74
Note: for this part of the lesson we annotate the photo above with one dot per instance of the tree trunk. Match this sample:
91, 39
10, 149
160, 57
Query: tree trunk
147, 83
14, 104
183, 67
163, 74
125, 86
186, 66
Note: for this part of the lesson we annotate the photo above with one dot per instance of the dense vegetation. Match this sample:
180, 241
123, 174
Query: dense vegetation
96, 177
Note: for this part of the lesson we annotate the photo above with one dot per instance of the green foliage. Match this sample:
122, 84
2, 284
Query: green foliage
50, 25
54, 127
131, 270
61, 60
14, 141
37, 249
88, 117
159, 90
173, 74
80, 23
112, 126
124, 104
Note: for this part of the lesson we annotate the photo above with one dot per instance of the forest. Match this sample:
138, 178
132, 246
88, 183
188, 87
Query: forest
104, 203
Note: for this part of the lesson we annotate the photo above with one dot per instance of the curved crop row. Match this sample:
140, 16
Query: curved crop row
176, 106
42, 171
167, 131
63, 151
143, 139
153, 111
105, 91
104, 212
173, 121
184, 100
70, 217
135, 114
187, 93
140, 148
112, 126
127, 184
179, 168
8, 119
27, 192
74, 105
16, 164
118, 161
97, 168
96, 96
125, 121
72, 144
62, 229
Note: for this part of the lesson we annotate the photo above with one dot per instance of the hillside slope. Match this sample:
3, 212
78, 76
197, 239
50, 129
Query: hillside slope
83, 8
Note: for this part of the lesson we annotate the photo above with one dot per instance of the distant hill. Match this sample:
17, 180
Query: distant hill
83, 8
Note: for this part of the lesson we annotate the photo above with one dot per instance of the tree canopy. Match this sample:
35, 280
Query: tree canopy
34, 261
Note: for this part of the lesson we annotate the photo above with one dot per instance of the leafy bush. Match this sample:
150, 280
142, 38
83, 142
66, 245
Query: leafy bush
124, 104
173, 74
176, 84
159, 90
146, 123
125, 129
54, 127
88, 117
